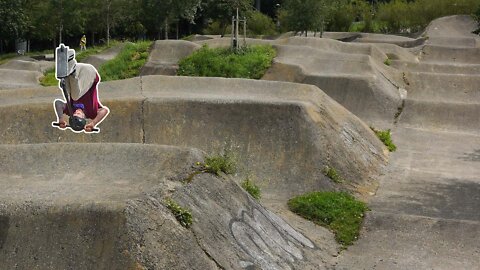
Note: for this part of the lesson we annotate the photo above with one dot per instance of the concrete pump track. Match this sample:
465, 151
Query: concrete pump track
79, 201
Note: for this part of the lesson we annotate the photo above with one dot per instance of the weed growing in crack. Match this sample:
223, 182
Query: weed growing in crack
251, 188
386, 138
183, 216
226, 163
331, 173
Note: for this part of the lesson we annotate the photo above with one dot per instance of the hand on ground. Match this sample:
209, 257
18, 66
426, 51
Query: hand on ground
89, 127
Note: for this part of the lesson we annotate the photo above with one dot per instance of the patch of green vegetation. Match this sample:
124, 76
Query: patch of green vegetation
249, 62
225, 163
251, 188
6, 57
387, 62
183, 216
331, 173
128, 62
375, 26
49, 78
338, 211
386, 137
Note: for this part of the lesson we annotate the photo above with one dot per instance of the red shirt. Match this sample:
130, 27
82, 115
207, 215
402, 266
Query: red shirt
89, 101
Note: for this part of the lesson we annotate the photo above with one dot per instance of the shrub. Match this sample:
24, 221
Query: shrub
183, 216
338, 211
250, 62
251, 188
332, 174
387, 62
386, 138
260, 24
222, 163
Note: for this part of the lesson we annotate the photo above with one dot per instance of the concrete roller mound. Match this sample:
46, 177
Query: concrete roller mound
82, 206
352, 74
100, 58
164, 56
98, 201
425, 212
270, 142
22, 72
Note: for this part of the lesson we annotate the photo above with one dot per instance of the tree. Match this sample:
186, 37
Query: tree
223, 10
305, 15
13, 21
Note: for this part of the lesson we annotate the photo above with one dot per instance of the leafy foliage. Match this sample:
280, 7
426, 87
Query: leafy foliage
250, 62
251, 188
338, 211
386, 138
183, 216
260, 24
226, 163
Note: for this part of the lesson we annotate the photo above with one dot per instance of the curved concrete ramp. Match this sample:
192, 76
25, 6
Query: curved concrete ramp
22, 73
82, 206
164, 56
99, 59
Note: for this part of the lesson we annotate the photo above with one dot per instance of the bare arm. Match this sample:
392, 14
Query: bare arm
59, 107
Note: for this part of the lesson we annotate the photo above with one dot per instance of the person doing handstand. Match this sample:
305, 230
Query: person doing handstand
82, 86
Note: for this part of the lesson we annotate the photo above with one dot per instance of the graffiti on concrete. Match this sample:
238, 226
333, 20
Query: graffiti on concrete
269, 241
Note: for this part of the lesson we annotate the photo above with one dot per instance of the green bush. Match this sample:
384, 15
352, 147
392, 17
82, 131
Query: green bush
332, 174
251, 188
222, 163
183, 216
386, 138
338, 211
127, 63
250, 62
260, 24
387, 62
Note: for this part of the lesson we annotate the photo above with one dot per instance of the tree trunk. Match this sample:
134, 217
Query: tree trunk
177, 30
166, 28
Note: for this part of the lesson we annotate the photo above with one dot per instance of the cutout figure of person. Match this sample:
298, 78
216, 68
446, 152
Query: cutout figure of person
83, 43
81, 84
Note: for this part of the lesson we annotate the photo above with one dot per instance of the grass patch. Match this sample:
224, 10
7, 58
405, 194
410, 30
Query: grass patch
49, 78
251, 188
128, 62
331, 173
338, 211
225, 163
387, 62
250, 62
183, 216
386, 138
